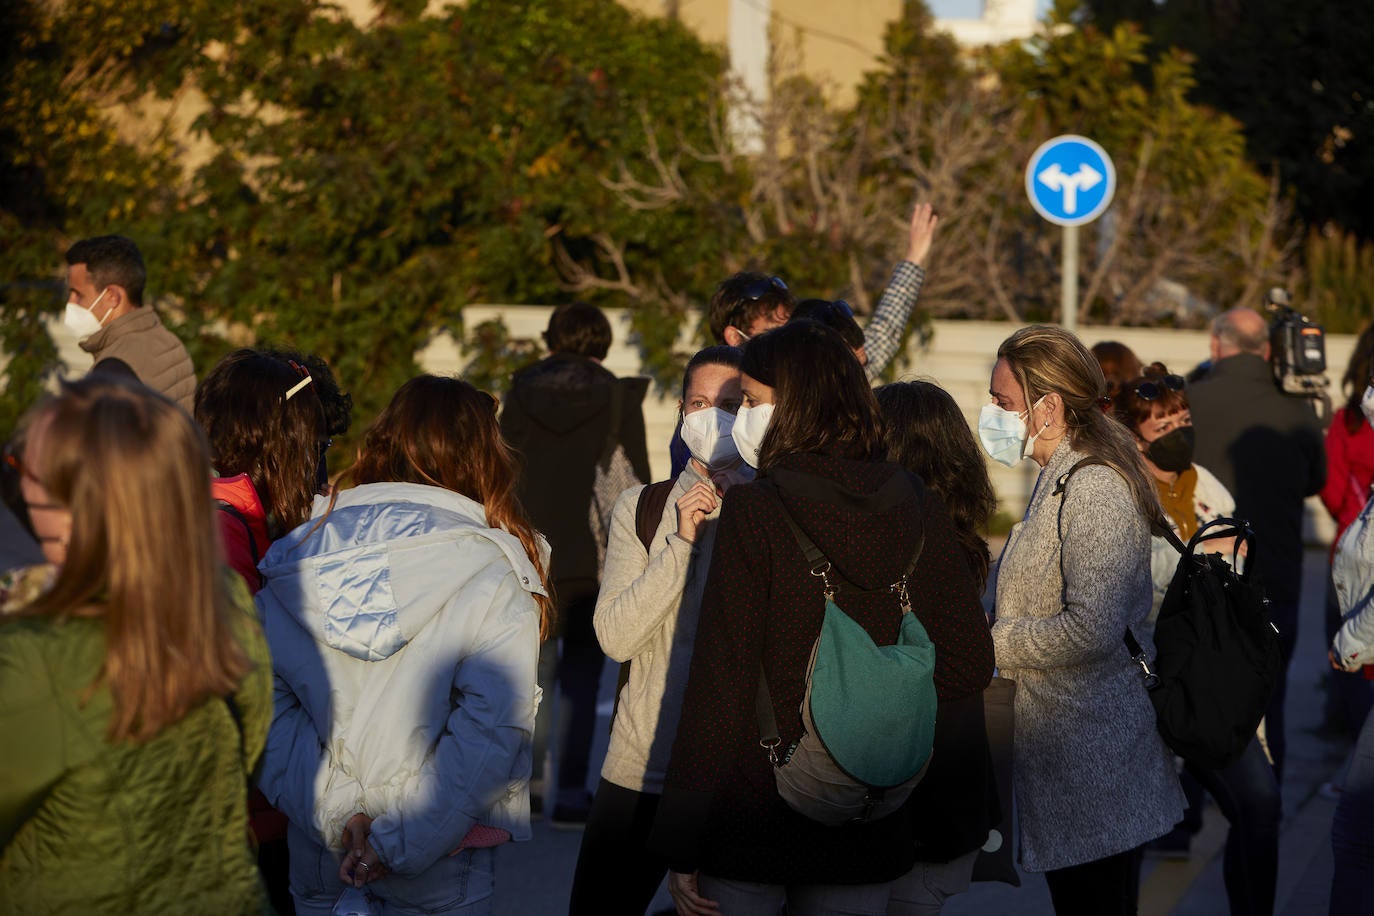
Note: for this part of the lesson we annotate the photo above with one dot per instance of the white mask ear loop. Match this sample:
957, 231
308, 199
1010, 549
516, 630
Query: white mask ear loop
1030, 421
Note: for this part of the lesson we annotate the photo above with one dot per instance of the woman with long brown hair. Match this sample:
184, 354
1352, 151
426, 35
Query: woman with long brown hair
956, 804
134, 693
810, 425
405, 621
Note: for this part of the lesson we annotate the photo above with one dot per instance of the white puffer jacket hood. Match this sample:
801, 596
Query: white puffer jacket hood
405, 641
348, 559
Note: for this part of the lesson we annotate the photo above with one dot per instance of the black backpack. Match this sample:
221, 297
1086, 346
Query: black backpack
1216, 651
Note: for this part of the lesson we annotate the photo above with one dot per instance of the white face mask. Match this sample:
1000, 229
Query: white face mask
82, 321
750, 425
706, 434
1004, 434
1367, 404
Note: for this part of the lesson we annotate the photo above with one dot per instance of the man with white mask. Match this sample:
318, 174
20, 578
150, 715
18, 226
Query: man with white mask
105, 310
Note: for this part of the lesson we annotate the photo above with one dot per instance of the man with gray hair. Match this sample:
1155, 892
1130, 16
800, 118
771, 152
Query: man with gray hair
1266, 447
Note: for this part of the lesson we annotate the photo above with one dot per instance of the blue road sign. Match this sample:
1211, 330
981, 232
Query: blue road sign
1070, 180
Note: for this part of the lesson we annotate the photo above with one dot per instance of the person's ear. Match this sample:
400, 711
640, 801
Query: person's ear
734, 337
1054, 407
1214, 348
117, 298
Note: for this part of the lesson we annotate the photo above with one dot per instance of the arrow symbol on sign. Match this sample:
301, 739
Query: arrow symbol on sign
1084, 179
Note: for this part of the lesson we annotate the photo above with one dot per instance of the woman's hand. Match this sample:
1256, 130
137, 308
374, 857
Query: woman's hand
360, 865
693, 507
1336, 662
683, 888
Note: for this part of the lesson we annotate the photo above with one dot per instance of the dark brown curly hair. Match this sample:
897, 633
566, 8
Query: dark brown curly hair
928, 435
255, 429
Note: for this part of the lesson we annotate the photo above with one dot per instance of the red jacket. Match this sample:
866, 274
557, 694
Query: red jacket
243, 532
242, 526
1349, 470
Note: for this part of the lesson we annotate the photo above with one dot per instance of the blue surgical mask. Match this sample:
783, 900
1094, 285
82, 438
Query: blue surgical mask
1004, 433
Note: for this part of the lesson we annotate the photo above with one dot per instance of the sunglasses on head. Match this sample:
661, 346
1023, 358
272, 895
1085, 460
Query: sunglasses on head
1155, 388
755, 290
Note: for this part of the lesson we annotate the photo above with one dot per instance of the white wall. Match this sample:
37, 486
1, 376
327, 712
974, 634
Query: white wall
960, 359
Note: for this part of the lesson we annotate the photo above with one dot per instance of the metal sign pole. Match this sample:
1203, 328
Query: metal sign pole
1068, 291
1070, 181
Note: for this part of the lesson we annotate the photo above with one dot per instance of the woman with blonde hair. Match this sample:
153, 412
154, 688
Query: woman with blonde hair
405, 621
137, 684
1093, 779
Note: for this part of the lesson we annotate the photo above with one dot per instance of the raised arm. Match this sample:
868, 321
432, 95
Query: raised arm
884, 331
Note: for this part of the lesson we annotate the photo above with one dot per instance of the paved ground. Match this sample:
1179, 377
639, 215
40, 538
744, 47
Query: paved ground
534, 878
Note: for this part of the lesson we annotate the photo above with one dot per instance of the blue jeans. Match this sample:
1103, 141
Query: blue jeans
924, 890
1352, 829
1248, 794
745, 898
577, 673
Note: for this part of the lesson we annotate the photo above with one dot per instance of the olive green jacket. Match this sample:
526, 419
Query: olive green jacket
91, 827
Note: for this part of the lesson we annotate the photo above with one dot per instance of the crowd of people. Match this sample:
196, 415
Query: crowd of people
233, 683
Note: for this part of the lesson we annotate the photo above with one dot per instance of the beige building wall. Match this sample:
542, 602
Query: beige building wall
834, 43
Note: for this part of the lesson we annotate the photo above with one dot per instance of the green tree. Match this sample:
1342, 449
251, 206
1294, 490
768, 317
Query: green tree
65, 170
1190, 208
363, 183
1298, 76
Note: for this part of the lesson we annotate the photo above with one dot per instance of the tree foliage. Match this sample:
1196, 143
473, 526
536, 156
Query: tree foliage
1298, 76
348, 187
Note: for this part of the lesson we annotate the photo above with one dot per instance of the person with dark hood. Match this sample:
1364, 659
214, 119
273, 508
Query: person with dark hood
579, 432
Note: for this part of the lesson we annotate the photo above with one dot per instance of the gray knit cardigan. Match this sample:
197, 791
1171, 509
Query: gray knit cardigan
1092, 776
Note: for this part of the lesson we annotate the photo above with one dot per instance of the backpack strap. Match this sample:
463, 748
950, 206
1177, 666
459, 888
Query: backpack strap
226, 508
820, 567
653, 499
1132, 646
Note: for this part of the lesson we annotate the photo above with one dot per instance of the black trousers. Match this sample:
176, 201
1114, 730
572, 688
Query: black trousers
616, 871
1102, 887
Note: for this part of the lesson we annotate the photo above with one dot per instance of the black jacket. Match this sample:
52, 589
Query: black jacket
558, 415
721, 812
1266, 448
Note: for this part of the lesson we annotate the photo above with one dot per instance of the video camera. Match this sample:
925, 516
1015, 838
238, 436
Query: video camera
1298, 348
